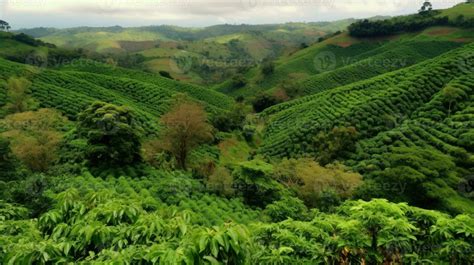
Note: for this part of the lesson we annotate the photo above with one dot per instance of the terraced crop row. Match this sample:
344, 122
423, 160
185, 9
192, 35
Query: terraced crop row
431, 126
211, 97
369, 105
71, 91
387, 58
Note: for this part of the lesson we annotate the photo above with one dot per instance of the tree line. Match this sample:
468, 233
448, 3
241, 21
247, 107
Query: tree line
424, 19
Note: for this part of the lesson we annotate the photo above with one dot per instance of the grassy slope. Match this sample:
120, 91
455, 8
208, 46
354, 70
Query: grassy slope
361, 59
215, 99
467, 10
97, 37
406, 95
71, 88
353, 59
210, 45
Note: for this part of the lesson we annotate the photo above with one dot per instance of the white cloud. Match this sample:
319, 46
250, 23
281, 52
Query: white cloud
199, 12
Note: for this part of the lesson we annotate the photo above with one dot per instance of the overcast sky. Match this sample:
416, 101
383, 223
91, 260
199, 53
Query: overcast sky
72, 13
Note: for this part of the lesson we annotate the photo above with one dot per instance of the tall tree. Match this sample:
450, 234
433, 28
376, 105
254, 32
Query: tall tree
112, 134
451, 95
426, 8
18, 99
335, 144
7, 163
186, 127
35, 137
4, 26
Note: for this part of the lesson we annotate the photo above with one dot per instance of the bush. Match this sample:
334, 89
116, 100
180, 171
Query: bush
36, 137
268, 67
166, 74
288, 207
238, 81
112, 134
7, 161
252, 180
221, 182
366, 28
263, 101
317, 186
230, 121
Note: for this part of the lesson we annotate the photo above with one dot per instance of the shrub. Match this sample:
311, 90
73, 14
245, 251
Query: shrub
288, 207
221, 182
186, 128
7, 161
36, 137
263, 101
252, 180
112, 134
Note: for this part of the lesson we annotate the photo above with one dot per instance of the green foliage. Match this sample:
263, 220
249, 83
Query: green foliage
366, 28
18, 98
319, 187
253, 181
122, 220
28, 191
264, 101
268, 67
238, 81
408, 131
230, 121
221, 182
335, 144
287, 207
112, 134
451, 95
390, 56
95, 220
425, 177
406, 108
12, 212
165, 74
7, 161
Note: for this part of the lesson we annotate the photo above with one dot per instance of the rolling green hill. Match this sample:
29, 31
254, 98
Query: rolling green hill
370, 160
218, 51
343, 59
72, 86
382, 107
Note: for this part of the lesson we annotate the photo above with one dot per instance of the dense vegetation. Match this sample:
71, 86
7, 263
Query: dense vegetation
424, 19
204, 56
343, 160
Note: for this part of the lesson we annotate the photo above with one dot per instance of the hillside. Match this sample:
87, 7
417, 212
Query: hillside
342, 59
209, 50
276, 144
74, 83
82, 37
376, 108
